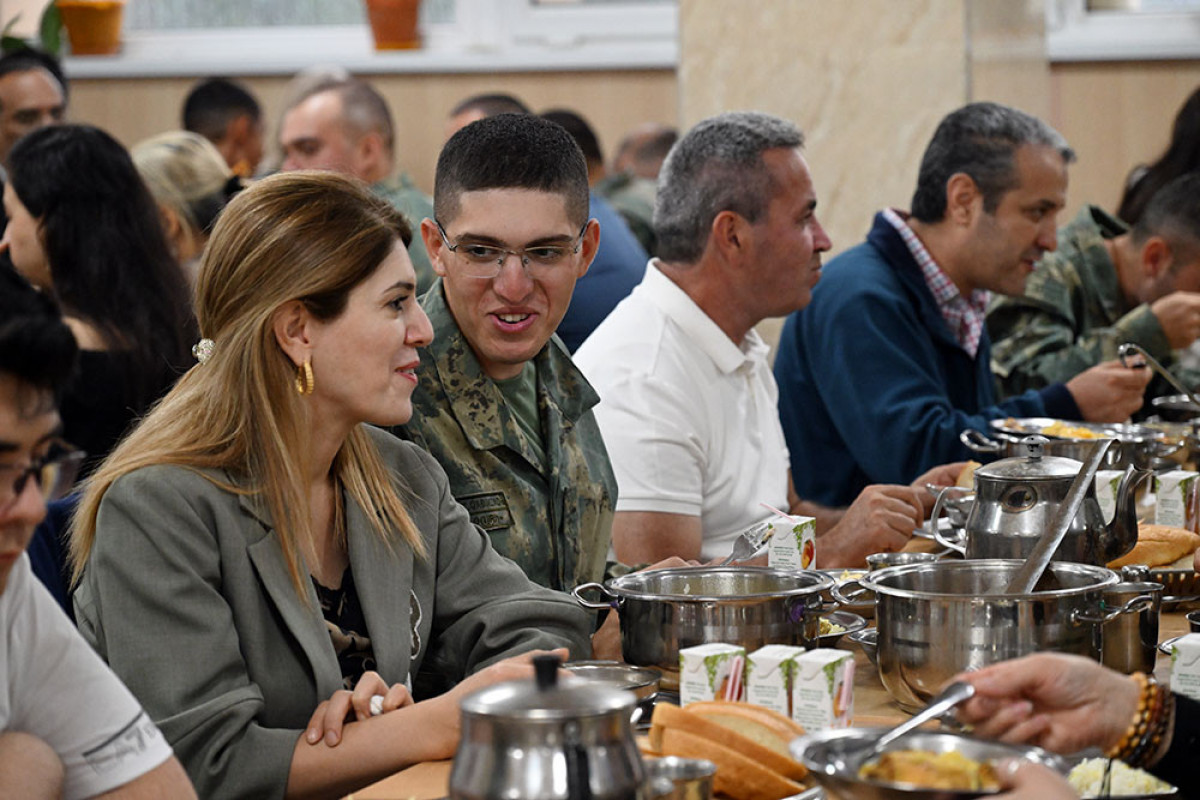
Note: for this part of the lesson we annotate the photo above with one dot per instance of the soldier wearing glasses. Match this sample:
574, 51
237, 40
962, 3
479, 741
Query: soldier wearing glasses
499, 403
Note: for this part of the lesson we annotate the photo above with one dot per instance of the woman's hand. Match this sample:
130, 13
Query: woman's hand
1063, 703
1027, 781
327, 721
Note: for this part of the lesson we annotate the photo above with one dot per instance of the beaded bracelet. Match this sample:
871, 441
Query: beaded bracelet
1150, 723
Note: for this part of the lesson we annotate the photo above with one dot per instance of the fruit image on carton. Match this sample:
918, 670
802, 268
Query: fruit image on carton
1176, 493
711, 672
769, 674
823, 689
793, 543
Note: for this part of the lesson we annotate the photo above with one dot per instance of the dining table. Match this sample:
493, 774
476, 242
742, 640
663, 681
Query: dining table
873, 706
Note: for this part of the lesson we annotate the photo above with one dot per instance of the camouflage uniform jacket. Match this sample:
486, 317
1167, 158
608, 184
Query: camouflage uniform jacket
633, 198
1073, 314
551, 512
415, 205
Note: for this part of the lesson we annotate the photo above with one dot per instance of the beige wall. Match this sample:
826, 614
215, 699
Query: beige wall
612, 101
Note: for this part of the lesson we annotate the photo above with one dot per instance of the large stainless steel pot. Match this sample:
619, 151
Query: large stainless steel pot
936, 620
665, 610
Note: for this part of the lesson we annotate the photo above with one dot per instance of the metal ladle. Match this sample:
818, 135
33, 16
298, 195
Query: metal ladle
948, 698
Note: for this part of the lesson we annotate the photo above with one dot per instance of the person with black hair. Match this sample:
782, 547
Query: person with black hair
482, 106
226, 113
84, 228
68, 727
1105, 285
33, 94
620, 260
1181, 156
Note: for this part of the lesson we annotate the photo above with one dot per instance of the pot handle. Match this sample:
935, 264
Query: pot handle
849, 598
578, 591
978, 442
1143, 602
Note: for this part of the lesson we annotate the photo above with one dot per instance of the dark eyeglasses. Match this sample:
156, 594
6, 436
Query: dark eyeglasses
53, 474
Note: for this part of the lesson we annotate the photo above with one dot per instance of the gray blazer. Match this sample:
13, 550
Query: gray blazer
187, 597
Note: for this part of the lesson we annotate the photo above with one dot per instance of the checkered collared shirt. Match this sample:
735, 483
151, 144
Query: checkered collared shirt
964, 315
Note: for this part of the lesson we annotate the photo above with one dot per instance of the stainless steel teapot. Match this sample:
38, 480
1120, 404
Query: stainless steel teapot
1015, 500
540, 740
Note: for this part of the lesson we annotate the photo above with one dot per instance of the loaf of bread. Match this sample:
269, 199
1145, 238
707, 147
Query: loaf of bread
747, 743
738, 776
1159, 546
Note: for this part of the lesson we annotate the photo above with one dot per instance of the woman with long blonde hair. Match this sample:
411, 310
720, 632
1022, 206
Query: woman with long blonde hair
256, 562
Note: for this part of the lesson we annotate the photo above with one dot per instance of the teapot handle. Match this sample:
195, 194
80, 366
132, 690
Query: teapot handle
936, 514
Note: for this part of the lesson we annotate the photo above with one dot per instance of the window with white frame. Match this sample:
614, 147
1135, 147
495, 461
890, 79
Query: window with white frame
1115, 30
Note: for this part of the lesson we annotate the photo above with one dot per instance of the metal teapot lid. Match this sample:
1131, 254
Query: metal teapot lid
546, 699
1033, 464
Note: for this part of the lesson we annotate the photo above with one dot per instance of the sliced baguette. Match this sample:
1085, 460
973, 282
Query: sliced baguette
738, 776
1159, 546
768, 728
669, 717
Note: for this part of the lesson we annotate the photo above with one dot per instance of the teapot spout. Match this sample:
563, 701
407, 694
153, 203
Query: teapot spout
1122, 533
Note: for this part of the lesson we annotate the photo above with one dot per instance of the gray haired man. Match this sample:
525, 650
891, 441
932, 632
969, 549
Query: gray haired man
687, 400
891, 361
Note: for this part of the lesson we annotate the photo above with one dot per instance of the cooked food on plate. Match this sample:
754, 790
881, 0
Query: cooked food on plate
1067, 431
828, 627
931, 770
1087, 778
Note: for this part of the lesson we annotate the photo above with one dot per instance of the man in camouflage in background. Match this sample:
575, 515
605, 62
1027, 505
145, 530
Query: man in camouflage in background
1106, 284
499, 403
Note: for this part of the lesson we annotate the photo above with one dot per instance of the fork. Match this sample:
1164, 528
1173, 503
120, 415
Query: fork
749, 541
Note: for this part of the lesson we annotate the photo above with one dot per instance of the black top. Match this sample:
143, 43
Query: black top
104, 401
347, 628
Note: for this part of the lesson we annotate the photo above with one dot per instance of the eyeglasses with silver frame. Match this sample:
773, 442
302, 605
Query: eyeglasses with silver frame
486, 260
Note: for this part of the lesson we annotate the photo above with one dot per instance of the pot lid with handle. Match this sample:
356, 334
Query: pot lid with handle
545, 699
1031, 465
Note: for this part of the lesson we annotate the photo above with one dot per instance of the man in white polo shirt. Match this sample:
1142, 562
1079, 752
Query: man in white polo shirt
687, 400
68, 727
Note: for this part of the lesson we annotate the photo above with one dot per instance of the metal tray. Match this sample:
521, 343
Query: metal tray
1026, 426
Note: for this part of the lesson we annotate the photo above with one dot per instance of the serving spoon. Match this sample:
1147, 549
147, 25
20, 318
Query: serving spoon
948, 698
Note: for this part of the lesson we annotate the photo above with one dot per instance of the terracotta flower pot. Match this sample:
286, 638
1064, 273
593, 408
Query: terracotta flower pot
93, 26
394, 23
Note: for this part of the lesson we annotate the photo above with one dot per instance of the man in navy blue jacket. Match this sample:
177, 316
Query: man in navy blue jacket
890, 362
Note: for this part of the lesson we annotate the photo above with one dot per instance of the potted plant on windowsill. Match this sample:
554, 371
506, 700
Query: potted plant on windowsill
49, 34
93, 26
394, 23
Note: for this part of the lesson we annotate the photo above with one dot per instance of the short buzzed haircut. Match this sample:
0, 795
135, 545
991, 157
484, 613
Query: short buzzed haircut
981, 141
511, 151
363, 108
29, 59
490, 105
717, 166
1174, 214
215, 102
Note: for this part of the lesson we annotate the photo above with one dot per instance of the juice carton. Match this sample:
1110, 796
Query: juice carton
823, 689
769, 673
1185, 666
1107, 483
711, 672
1177, 493
793, 544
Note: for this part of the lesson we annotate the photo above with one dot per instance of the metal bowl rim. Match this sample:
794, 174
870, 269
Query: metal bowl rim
871, 580
799, 748
821, 583
591, 669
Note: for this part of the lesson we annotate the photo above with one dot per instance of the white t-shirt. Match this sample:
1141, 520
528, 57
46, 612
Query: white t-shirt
689, 418
57, 689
